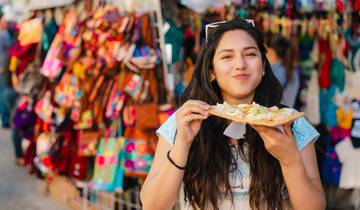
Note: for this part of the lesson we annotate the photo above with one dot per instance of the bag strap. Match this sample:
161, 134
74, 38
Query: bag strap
115, 129
149, 75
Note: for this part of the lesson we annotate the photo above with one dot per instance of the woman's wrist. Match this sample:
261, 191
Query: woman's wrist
292, 161
179, 152
182, 143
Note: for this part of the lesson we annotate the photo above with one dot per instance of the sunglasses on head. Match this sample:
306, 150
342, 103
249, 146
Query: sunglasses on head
209, 27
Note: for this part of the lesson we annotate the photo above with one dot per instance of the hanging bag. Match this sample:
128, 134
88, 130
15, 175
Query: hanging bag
147, 111
87, 141
138, 153
108, 175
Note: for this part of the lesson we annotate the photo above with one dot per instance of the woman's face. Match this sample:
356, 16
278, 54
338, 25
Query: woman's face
238, 66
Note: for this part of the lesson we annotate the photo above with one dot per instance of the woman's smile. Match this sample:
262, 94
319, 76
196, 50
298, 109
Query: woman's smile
241, 76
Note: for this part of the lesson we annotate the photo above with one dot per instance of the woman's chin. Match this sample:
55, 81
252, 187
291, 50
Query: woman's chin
240, 97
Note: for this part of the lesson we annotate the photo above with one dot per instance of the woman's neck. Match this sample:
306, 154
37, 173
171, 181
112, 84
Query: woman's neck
235, 100
233, 141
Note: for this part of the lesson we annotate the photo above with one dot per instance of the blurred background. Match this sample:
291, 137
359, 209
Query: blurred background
84, 84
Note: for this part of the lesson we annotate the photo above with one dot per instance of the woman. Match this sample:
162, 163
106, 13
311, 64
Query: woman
282, 56
216, 169
5, 41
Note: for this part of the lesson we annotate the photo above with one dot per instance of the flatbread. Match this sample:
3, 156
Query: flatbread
265, 116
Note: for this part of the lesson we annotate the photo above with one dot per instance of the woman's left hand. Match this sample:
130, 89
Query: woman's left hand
280, 144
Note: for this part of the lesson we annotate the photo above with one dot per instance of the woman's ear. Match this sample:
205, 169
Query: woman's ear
263, 71
212, 76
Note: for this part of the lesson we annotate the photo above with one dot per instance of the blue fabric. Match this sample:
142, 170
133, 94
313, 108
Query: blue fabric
306, 44
328, 107
303, 131
5, 42
16, 139
331, 167
280, 73
4, 109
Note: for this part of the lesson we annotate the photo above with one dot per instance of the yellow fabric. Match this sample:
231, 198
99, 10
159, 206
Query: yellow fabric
13, 64
344, 118
79, 70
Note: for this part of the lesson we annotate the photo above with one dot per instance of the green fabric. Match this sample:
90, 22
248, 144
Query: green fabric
307, 67
337, 74
108, 175
242, 13
175, 37
49, 34
306, 44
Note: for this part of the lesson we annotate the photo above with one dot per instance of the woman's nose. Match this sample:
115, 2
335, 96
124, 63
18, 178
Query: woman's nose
240, 63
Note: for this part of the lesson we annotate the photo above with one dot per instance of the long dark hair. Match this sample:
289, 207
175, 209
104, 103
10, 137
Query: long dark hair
206, 178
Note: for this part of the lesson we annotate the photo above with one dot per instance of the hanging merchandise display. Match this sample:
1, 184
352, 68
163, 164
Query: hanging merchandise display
63, 40
103, 95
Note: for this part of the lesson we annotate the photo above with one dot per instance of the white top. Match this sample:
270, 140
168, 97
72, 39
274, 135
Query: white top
349, 157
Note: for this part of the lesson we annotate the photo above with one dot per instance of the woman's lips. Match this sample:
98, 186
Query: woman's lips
242, 76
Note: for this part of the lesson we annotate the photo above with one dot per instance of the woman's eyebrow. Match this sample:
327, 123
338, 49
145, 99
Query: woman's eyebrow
225, 50
244, 49
251, 47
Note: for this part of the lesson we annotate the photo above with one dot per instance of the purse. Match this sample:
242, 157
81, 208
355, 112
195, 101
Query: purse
107, 175
115, 102
44, 109
147, 112
147, 116
137, 153
146, 30
87, 141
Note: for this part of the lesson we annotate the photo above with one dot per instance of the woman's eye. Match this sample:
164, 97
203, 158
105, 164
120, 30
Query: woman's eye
226, 57
251, 54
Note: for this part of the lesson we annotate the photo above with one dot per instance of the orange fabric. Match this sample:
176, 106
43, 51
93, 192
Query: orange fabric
30, 32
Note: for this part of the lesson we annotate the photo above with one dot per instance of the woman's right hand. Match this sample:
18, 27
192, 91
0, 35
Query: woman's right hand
189, 118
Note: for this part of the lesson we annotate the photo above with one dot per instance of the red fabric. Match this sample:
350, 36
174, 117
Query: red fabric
78, 166
30, 154
356, 5
60, 156
340, 6
289, 7
326, 57
337, 134
263, 3
25, 54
